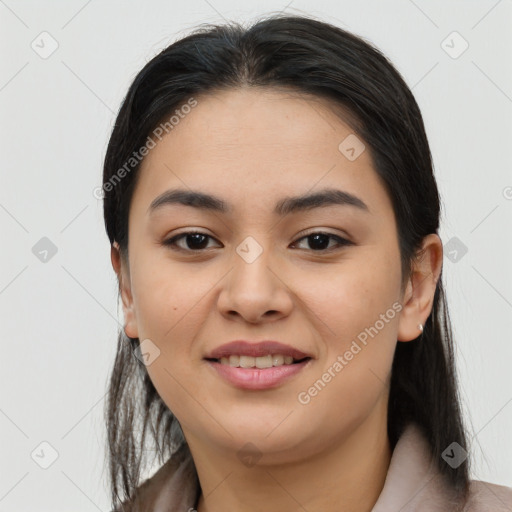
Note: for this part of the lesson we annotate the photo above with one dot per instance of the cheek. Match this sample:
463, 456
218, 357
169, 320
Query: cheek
349, 297
353, 373
356, 311
172, 303
169, 314
167, 298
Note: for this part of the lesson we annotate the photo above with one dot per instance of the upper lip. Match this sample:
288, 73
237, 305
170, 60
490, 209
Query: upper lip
255, 349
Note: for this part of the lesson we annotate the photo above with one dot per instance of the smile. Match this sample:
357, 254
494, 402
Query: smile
257, 373
267, 361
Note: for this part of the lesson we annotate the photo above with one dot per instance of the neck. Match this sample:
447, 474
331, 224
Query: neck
347, 475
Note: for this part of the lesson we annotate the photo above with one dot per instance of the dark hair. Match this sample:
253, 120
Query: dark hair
301, 54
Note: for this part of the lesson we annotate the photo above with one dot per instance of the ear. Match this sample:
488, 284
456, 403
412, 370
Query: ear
419, 293
123, 277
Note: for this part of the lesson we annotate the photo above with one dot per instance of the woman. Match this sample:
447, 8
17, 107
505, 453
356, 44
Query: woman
273, 217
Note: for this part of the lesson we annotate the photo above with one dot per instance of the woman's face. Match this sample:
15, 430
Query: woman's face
254, 274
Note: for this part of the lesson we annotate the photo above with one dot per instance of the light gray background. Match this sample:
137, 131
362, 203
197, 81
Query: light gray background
59, 319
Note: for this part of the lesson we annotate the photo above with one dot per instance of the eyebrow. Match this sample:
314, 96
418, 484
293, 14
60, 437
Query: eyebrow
208, 202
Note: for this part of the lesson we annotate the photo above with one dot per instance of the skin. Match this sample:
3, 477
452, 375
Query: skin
253, 147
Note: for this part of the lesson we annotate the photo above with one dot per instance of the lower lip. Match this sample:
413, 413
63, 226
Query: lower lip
258, 378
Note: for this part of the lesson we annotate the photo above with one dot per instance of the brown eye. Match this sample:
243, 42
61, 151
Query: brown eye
193, 241
319, 241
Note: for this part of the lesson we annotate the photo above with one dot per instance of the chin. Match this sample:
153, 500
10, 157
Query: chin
269, 437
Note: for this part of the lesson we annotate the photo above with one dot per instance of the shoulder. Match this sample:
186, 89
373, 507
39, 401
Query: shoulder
415, 483
173, 486
485, 496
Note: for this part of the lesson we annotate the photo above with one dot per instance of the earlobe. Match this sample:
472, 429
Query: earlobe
419, 294
124, 283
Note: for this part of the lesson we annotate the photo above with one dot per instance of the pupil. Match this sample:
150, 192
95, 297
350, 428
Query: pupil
196, 237
316, 238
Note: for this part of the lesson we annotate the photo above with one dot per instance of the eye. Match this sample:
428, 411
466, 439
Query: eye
195, 240
320, 241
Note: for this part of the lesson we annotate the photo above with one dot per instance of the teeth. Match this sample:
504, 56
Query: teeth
256, 362
264, 362
277, 360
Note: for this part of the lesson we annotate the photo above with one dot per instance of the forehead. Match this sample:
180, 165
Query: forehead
237, 122
254, 146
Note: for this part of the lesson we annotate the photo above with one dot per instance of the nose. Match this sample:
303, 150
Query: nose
255, 290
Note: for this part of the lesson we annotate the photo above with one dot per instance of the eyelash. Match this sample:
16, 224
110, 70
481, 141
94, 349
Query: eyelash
171, 242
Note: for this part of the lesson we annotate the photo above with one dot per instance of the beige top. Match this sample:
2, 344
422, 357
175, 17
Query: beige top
412, 484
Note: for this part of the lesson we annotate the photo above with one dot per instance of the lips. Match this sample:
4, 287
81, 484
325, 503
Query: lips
256, 349
251, 377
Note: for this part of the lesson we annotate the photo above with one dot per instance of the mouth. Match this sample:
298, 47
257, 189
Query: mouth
257, 365
261, 362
